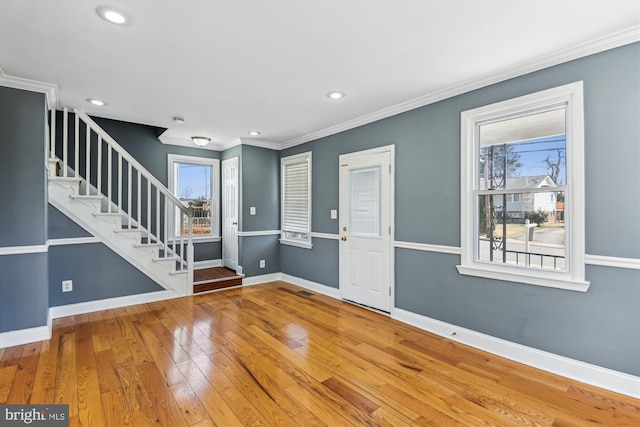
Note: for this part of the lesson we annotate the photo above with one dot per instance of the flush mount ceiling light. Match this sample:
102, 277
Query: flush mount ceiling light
200, 141
178, 120
96, 102
336, 95
112, 15
253, 133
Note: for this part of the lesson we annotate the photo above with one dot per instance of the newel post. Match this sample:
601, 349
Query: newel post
190, 250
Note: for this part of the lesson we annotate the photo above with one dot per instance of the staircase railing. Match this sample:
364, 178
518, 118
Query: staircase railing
129, 188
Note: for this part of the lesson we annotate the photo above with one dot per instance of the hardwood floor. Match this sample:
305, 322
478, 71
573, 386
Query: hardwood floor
268, 355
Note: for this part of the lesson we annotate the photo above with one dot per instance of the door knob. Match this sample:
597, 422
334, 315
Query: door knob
234, 223
344, 238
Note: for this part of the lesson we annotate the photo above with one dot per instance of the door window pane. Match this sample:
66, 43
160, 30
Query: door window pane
364, 209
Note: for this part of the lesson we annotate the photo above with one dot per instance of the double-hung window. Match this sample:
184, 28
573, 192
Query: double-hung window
194, 180
296, 200
522, 184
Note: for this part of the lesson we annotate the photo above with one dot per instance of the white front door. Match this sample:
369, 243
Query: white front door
366, 212
230, 213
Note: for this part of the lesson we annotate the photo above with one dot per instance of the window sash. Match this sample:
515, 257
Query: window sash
296, 197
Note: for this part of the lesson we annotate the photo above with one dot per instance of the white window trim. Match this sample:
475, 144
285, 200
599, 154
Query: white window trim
574, 276
215, 215
306, 244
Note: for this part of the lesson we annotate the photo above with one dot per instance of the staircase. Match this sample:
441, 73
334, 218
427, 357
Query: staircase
102, 188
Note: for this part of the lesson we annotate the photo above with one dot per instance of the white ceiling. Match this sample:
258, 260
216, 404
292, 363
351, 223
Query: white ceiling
228, 67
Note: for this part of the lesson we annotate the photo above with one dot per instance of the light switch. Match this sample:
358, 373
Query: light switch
334, 214
252, 210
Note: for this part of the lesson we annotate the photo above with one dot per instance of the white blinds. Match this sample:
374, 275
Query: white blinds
296, 205
364, 209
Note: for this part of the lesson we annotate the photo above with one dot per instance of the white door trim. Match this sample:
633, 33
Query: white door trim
391, 149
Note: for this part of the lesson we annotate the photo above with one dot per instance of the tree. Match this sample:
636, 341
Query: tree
493, 158
539, 217
186, 192
553, 166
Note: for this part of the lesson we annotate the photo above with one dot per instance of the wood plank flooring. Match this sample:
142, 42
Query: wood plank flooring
267, 355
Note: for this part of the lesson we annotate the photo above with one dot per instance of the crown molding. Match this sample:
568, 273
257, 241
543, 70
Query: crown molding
169, 140
611, 41
260, 143
50, 90
230, 143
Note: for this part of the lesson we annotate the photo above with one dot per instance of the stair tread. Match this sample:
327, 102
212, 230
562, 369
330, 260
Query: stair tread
107, 214
65, 179
84, 196
148, 245
171, 258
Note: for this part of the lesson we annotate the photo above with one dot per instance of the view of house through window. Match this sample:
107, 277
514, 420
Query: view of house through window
521, 185
194, 185
192, 180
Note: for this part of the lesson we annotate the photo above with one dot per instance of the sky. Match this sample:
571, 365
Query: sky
194, 181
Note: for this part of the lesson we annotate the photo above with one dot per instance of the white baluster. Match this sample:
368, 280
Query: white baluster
88, 160
99, 169
129, 210
65, 141
166, 228
158, 214
139, 218
52, 154
76, 147
109, 173
148, 209
119, 182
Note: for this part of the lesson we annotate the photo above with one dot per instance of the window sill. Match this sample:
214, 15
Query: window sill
299, 244
548, 280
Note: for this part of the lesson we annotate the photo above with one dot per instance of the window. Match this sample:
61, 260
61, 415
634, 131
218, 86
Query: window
522, 204
195, 180
296, 200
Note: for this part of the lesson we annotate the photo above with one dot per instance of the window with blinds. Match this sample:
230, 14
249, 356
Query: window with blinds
296, 200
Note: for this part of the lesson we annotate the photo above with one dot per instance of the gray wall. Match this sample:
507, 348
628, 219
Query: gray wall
23, 215
260, 188
97, 273
601, 326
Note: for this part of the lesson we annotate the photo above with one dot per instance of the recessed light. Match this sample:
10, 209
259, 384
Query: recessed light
96, 102
253, 133
112, 15
336, 95
200, 141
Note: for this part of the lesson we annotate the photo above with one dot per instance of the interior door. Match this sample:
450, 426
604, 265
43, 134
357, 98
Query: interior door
365, 228
230, 213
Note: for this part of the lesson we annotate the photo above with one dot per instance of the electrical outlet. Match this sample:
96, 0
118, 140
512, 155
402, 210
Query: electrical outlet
262, 264
67, 285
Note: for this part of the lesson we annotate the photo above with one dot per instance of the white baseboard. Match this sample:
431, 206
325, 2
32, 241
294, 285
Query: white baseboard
26, 336
106, 304
197, 265
313, 286
609, 379
264, 278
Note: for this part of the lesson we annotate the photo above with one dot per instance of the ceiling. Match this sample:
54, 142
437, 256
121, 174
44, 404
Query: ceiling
228, 67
